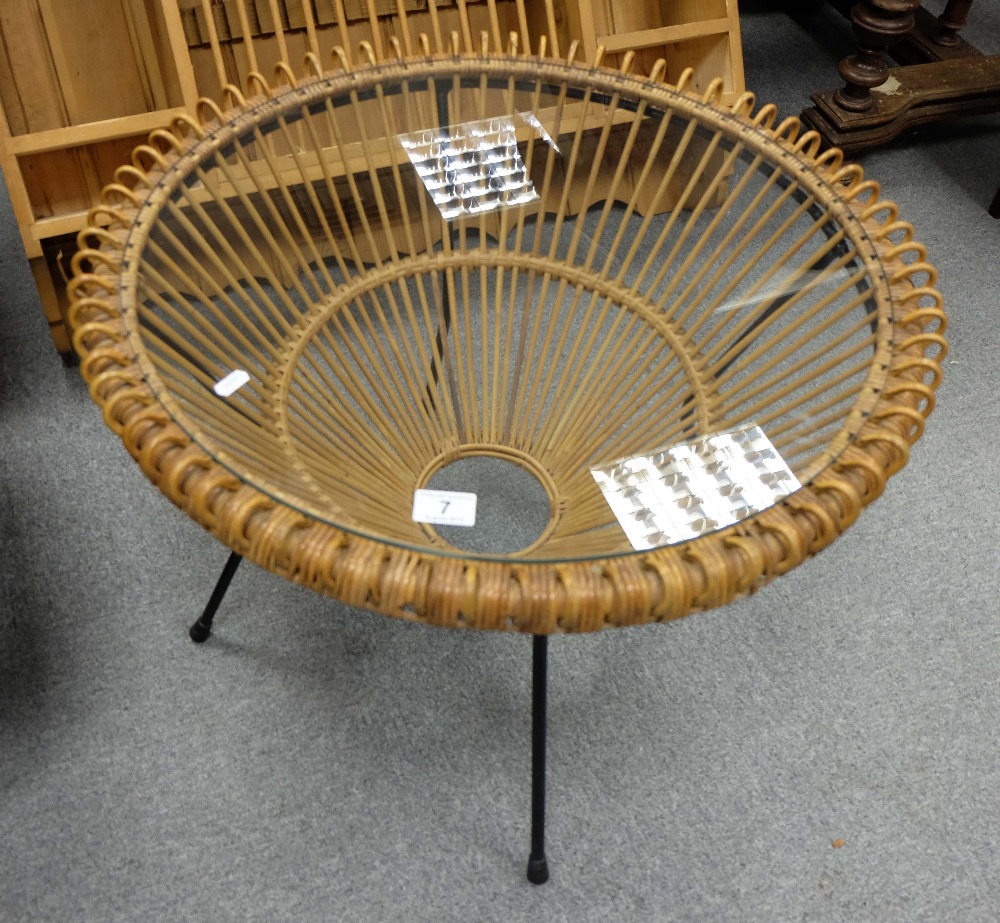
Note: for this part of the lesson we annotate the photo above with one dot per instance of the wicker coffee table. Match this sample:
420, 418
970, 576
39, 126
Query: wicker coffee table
670, 350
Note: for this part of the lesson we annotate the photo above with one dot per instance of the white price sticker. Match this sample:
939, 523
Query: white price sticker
444, 507
231, 383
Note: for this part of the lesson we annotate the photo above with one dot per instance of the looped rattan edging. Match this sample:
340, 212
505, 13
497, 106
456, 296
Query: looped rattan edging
508, 594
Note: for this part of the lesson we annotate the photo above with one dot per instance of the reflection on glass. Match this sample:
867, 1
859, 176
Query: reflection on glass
530, 119
472, 167
678, 493
786, 284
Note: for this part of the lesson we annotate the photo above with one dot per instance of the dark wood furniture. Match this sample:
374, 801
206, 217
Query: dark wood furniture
940, 75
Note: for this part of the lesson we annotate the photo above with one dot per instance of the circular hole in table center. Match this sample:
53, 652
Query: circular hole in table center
513, 508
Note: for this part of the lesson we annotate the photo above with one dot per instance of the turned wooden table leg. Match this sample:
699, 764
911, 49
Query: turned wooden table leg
877, 24
951, 21
940, 75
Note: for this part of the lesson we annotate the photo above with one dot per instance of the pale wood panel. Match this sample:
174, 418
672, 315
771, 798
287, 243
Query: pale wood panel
95, 60
674, 12
93, 132
82, 80
708, 57
170, 39
61, 181
735, 48
141, 36
701, 34
662, 35
32, 98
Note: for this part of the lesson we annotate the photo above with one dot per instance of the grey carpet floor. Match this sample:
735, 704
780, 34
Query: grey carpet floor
313, 762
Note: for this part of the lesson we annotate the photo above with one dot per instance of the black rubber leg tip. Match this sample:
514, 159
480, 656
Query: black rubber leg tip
538, 871
199, 632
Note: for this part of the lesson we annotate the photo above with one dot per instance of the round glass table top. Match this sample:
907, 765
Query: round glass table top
503, 309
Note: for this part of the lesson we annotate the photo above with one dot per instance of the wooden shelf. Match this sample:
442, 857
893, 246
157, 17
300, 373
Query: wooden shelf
79, 135
701, 34
83, 81
665, 35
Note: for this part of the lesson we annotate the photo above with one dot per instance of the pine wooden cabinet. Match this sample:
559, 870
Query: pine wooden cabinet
83, 81
701, 34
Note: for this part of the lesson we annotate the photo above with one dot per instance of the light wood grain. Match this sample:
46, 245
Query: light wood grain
83, 74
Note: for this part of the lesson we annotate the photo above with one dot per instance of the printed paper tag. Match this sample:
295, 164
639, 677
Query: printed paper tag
231, 383
444, 507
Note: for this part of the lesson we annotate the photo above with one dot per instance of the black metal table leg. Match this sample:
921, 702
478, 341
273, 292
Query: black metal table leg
201, 629
538, 867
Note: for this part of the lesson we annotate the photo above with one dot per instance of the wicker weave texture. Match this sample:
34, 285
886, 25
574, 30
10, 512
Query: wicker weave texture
356, 311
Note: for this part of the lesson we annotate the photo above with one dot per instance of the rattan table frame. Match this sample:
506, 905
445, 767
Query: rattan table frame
500, 593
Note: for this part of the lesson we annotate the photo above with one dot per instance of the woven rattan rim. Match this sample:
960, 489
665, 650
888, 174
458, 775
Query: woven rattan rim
511, 594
